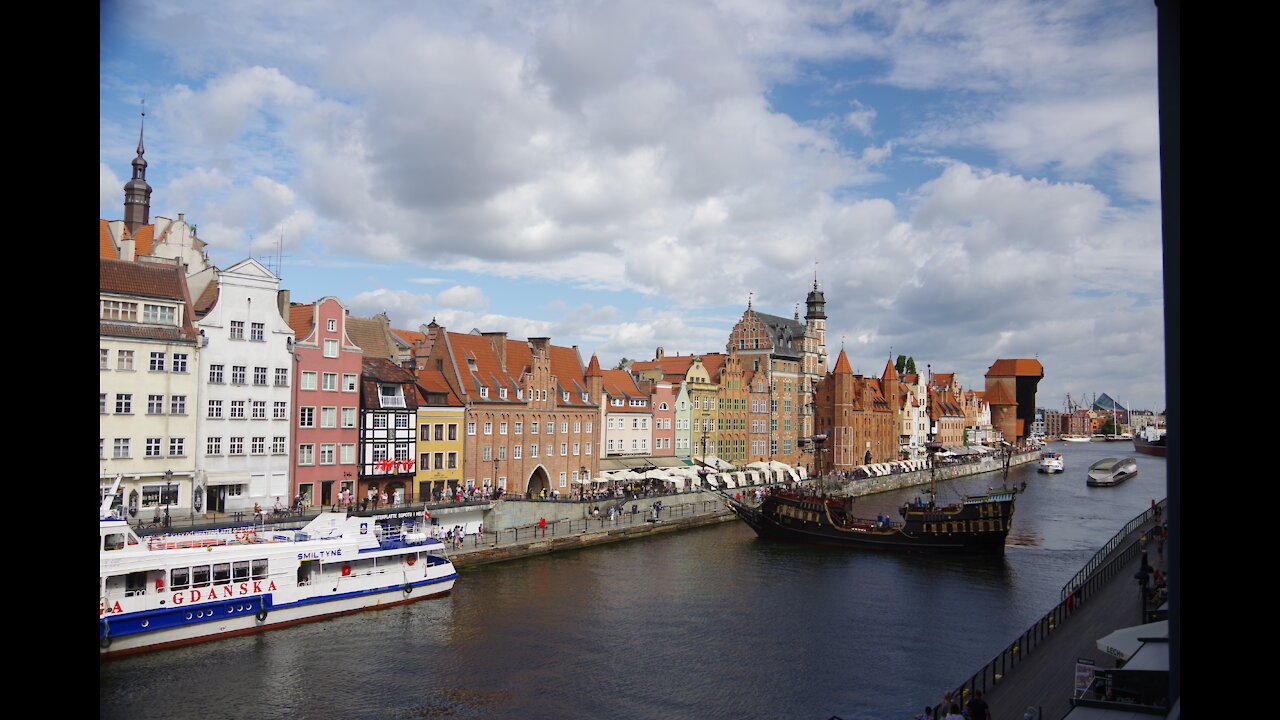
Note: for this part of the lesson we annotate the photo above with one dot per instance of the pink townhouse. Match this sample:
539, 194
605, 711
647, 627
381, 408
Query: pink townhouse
326, 401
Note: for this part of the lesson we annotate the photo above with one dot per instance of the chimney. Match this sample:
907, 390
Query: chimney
499, 342
282, 301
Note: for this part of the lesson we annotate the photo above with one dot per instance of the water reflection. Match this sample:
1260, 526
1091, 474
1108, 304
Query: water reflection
706, 623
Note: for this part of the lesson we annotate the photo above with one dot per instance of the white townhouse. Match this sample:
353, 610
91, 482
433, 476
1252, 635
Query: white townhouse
147, 385
245, 376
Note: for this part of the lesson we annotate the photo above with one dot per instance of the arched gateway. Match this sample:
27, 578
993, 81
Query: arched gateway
538, 481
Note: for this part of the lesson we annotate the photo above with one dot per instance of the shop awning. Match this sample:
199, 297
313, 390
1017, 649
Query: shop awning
1123, 643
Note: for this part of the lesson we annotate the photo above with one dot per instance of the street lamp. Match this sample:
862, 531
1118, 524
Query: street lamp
168, 494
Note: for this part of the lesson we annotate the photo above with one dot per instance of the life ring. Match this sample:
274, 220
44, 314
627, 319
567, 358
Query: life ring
346, 570
251, 537
262, 613
411, 559
408, 588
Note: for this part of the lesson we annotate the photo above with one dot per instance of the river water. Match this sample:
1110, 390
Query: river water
707, 623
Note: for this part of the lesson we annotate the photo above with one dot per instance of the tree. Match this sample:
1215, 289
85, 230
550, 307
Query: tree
623, 364
900, 365
911, 366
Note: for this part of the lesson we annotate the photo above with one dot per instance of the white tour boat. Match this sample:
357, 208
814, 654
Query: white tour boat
1051, 462
180, 588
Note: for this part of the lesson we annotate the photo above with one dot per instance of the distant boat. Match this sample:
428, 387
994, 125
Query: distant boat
1076, 438
1151, 441
1112, 471
1051, 462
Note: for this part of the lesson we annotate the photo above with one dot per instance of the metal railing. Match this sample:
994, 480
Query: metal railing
1101, 556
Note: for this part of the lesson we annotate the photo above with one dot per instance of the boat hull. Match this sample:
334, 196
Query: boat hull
1157, 448
769, 521
224, 621
1103, 474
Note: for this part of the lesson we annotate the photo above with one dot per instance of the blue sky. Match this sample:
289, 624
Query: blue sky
974, 179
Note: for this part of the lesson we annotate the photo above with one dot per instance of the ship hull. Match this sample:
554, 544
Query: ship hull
1145, 447
957, 532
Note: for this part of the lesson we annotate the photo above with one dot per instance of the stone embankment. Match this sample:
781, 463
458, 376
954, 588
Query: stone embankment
517, 530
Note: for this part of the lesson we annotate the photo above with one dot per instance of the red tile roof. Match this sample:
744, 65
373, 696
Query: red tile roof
1020, 367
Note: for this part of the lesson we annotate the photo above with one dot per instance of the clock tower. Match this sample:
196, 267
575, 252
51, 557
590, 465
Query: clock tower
137, 193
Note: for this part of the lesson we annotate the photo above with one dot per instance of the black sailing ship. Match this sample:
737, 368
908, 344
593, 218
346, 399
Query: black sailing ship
976, 524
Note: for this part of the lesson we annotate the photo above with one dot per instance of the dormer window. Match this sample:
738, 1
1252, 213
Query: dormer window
471, 364
502, 393
391, 395
484, 391
564, 396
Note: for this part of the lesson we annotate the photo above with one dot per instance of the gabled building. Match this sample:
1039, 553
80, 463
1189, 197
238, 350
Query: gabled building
388, 431
858, 416
531, 425
147, 384
245, 369
441, 418
788, 357
625, 412
326, 392
946, 413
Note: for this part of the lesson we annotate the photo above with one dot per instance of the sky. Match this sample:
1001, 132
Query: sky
967, 180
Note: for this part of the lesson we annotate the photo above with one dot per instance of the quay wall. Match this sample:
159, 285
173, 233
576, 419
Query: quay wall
898, 481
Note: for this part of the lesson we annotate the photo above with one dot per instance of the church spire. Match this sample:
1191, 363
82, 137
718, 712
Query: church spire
137, 193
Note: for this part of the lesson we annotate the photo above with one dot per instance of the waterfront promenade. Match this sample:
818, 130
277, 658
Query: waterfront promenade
1041, 673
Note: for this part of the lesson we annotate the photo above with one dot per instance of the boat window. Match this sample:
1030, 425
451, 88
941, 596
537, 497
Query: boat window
222, 573
135, 583
240, 570
200, 576
179, 578
113, 541
260, 569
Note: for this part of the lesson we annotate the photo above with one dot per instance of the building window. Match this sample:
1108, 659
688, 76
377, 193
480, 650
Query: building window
348, 382
502, 452
155, 404
515, 451
533, 451
152, 448
348, 417
157, 362
213, 446
120, 448
215, 373
124, 359
180, 362
453, 431
102, 402
238, 374
347, 453
379, 421
282, 377
278, 445
328, 417
331, 348
330, 382
533, 428
259, 376
237, 410
280, 410
257, 331
306, 454
104, 359
215, 409
159, 314
327, 454
307, 417
502, 428
308, 380
331, 325
452, 461
258, 446
124, 403
519, 428
563, 476
471, 428
488, 428
237, 330
564, 449
486, 453
259, 409
117, 310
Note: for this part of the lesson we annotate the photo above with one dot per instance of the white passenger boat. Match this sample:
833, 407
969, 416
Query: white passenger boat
1112, 471
180, 588
1051, 462
1076, 438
